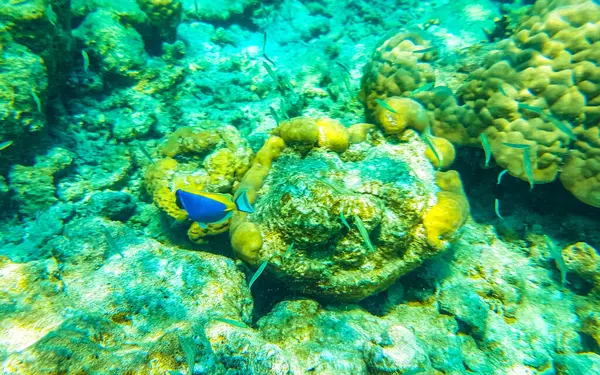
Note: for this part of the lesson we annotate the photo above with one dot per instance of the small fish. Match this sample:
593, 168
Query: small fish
343, 219
433, 148
145, 152
207, 208
385, 105
111, 241
231, 322
556, 254
275, 115
187, 346
5, 144
426, 87
500, 175
282, 84
497, 208
86, 61
563, 127
425, 50
289, 250
196, 7
258, 272
501, 89
528, 168
486, 148
516, 145
37, 101
531, 108
344, 67
363, 232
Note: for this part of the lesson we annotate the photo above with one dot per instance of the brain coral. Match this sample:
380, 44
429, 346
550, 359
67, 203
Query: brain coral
540, 88
343, 224
210, 157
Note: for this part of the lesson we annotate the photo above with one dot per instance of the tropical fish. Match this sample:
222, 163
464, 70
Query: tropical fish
500, 175
289, 250
231, 322
425, 50
275, 115
187, 345
145, 152
486, 148
556, 254
363, 232
528, 168
563, 127
37, 101
258, 272
431, 146
344, 67
385, 105
86, 61
5, 144
516, 145
343, 219
497, 208
426, 87
265, 49
531, 108
501, 89
111, 241
205, 208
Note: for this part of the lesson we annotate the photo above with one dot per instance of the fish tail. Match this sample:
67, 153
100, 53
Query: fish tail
243, 203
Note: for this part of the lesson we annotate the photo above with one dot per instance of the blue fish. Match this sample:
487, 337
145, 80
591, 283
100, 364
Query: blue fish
207, 208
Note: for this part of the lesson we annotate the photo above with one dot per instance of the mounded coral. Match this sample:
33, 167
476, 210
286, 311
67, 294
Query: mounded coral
314, 203
583, 260
33, 187
532, 87
112, 48
209, 157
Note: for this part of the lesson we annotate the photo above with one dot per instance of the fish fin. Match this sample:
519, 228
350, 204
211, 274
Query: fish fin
227, 217
243, 204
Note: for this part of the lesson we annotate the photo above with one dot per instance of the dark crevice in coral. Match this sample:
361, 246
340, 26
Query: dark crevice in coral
588, 343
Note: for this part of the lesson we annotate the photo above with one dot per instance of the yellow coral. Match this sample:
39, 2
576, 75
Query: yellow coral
306, 132
358, 132
246, 239
445, 151
451, 211
332, 135
190, 140
407, 114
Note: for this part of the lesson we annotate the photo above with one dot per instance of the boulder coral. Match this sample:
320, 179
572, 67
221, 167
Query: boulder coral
540, 88
343, 222
209, 157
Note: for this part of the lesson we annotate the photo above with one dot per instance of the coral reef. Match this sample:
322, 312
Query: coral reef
538, 88
34, 186
387, 192
208, 157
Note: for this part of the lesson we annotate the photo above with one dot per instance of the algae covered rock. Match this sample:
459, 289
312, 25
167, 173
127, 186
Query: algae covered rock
116, 50
346, 228
107, 312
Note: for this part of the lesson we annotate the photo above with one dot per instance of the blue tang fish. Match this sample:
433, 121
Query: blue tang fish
206, 208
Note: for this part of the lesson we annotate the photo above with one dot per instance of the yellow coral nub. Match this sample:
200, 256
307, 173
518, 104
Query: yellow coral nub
444, 150
451, 211
406, 113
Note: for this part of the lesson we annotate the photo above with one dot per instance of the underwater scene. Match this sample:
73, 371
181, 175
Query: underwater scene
289, 187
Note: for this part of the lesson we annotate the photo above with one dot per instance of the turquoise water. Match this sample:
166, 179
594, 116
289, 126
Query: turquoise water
299, 187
